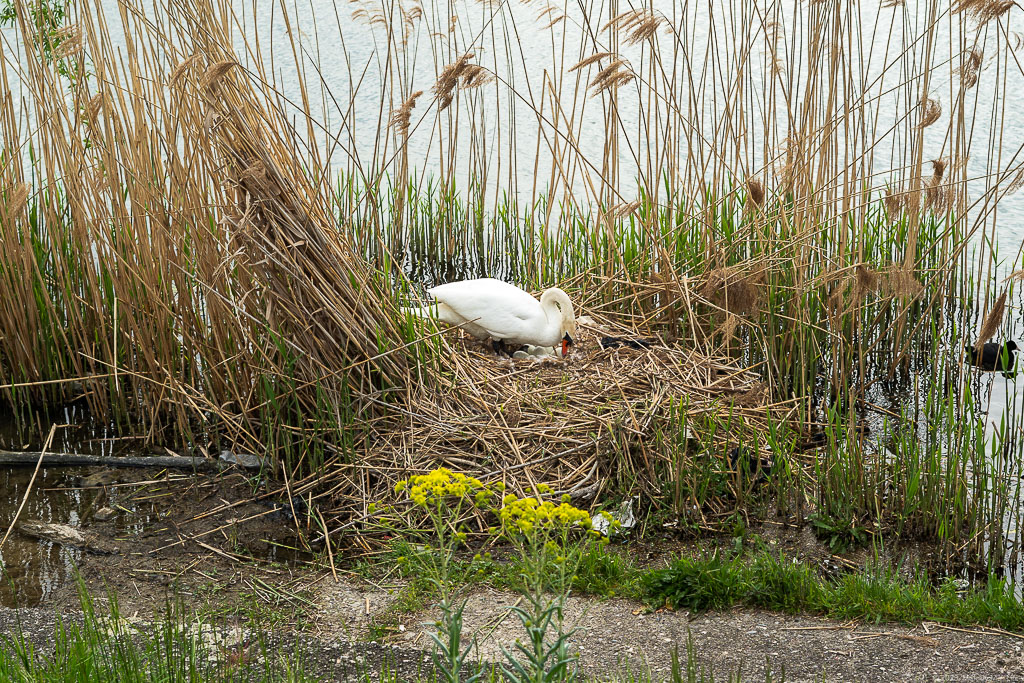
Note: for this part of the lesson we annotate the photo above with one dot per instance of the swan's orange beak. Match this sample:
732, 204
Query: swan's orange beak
566, 343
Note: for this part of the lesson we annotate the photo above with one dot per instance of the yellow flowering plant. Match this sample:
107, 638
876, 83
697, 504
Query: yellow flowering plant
444, 495
551, 539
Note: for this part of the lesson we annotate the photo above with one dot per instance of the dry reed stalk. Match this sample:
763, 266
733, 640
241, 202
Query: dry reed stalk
206, 259
992, 321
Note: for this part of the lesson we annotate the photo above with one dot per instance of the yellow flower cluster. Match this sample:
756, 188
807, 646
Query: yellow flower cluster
527, 514
443, 483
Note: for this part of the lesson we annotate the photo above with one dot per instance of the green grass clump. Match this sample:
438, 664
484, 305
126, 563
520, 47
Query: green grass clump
107, 647
772, 581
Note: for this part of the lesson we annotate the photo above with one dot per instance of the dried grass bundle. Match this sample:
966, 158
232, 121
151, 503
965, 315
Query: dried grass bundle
992, 322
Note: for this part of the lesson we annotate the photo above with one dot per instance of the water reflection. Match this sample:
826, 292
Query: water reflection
33, 569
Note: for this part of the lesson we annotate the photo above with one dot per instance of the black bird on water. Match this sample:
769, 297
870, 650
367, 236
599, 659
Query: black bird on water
994, 357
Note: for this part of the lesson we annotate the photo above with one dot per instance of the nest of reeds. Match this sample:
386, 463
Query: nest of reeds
578, 425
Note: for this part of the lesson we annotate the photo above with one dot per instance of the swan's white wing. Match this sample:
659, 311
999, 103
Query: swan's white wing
504, 310
444, 313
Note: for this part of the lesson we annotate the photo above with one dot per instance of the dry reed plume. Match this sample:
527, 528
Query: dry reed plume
931, 111
984, 11
992, 322
460, 74
637, 25
400, 117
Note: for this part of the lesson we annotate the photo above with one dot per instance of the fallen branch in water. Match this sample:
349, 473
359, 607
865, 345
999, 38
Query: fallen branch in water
19, 459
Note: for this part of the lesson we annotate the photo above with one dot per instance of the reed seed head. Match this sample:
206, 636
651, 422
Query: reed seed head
215, 73
903, 283
983, 11
637, 25
611, 76
66, 42
894, 203
729, 326
400, 117
970, 66
589, 60
17, 198
183, 68
755, 192
931, 111
734, 290
459, 74
992, 321
93, 107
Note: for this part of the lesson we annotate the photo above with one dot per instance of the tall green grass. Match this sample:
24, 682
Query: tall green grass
715, 581
105, 646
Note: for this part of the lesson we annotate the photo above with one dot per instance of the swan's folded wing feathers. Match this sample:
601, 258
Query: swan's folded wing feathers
500, 308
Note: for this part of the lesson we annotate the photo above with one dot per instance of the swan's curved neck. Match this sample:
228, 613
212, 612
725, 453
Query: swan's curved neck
554, 311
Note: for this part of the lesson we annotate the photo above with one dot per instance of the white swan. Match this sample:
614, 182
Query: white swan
495, 310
